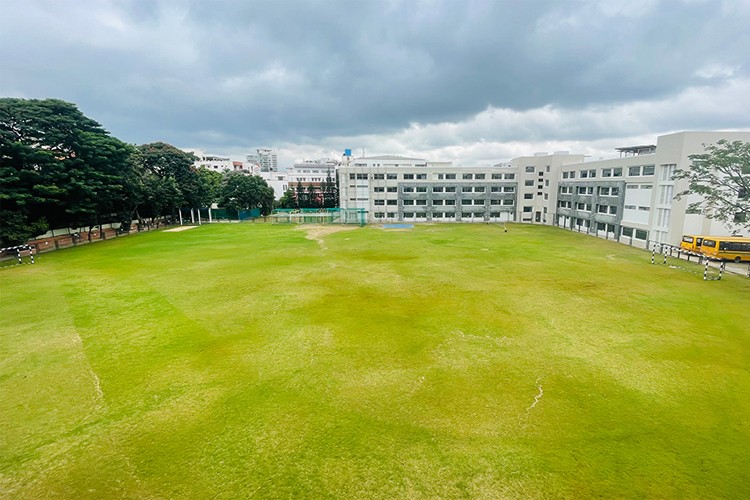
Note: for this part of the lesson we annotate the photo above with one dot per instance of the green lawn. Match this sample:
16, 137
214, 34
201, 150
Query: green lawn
445, 361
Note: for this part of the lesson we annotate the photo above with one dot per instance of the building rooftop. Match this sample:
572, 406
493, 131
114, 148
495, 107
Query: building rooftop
637, 150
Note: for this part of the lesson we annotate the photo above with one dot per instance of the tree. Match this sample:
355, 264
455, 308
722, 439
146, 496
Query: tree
58, 168
245, 192
287, 200
721, 176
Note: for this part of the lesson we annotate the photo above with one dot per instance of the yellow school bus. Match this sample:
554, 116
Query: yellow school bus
726, 248
691, 243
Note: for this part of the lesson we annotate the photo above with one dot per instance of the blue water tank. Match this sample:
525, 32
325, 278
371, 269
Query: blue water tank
347, 152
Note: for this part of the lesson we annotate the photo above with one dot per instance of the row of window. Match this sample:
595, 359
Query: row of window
589, 190
506, 202
641, 208
435, 215
586, 207
444, 189
634, 171
421, 177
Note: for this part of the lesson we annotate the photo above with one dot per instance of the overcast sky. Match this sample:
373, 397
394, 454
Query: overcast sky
476, 82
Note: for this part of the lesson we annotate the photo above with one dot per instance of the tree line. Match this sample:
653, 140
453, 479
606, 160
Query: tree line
59, 168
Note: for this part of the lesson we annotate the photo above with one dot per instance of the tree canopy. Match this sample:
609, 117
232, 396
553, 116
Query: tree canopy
721, 176
58, 168
240, 191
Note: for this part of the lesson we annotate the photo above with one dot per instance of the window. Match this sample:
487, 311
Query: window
478, 214
379, 189
466, 189
634, 171
629, 207
407, 189
450, 202
627, 231
362, 177
640, 234
584, 174
421, 215
421, 189
496, 189
392, 189
644, 209
437, 202
379, 215
422, 177
378, 177
528, 209
437, 189
408, 215
510, 176
509, 201
408, 177
421, 202
495, 202
391, 177
352, 177
450, 176
450, 189
528, 196
615, 191
408, 202
530, 182
465, 202
497, 176
606, 172
667, 171
379, 202
468, 176
603, 191
391, 215
478, 202
581, 189
479, 189
530, 169
392, 202
648, 170
479, 176
509, 189
617, 172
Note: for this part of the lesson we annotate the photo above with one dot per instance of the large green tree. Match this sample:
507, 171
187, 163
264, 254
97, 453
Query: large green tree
721, 176
58, 168
240, 191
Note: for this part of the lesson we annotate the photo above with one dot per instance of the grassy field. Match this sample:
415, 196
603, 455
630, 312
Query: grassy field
444, 361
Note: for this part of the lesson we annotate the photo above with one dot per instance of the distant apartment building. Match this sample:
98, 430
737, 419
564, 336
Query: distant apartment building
312, 175
264, 160
629, 198
213, 162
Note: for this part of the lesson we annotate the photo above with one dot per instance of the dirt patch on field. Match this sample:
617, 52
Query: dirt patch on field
318, 232
178, 229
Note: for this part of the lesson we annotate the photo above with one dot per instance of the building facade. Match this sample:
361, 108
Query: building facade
630, 198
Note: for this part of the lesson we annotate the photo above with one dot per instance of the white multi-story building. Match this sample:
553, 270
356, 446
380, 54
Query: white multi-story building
630, 198
396, 188
264, 160
213, 162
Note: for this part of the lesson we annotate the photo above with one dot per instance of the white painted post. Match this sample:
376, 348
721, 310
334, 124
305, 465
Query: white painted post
210, 220
192, 216
179, 211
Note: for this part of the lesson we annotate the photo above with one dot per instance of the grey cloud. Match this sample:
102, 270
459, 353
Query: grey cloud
264, 72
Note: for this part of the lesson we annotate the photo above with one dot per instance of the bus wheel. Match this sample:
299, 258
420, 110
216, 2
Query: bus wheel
738, 259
